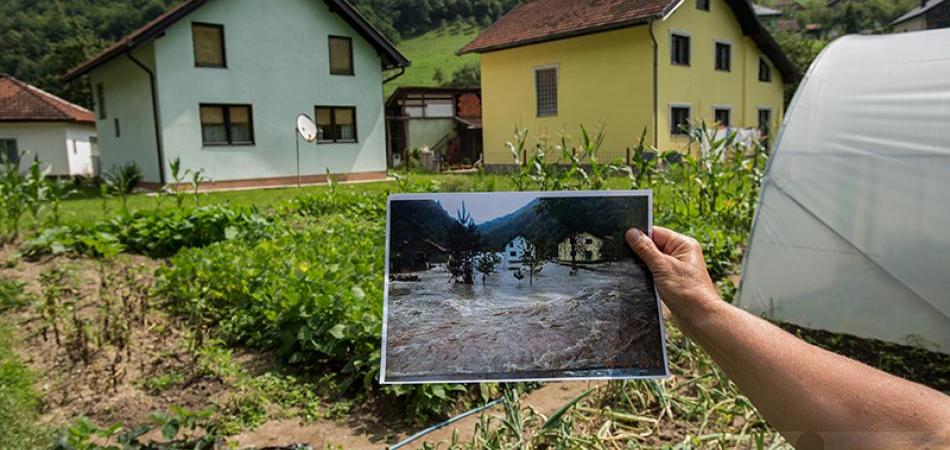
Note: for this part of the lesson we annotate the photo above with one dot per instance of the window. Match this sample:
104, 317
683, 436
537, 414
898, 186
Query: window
702, 4
512, 253
101, 100
679, 49
545, 87
227, 125
765, 120
336, 123
341, 55
115, 124
588, 241
679, 120
722, 116
208, 40
723, 56
765, 71
9, 152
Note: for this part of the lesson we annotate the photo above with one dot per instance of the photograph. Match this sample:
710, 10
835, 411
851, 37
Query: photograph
518, 286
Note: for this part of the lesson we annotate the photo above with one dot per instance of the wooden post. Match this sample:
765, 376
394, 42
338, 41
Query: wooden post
628, 156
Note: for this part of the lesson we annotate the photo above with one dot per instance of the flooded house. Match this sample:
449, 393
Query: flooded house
416, 255
585, 249
514, 252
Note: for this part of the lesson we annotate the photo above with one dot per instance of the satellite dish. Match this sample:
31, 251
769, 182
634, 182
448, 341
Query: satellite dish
306, 128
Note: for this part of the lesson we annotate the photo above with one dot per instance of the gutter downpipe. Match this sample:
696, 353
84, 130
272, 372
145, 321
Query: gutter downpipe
158, 129
656, 84
402, 70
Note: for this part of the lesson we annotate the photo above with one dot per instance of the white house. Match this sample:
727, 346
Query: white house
42, 125
586, 248
218, 84
514, 252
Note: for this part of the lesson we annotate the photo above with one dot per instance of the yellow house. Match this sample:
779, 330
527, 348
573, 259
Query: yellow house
625, 66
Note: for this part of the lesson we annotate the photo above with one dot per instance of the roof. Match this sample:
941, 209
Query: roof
472, 123
21, 102
765, 11
402, 91
918, 11
537, 21
387, 51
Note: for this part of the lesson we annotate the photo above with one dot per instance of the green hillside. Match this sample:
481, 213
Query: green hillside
435, 49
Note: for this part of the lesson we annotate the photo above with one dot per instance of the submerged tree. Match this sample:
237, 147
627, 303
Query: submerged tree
464, 244
533, 259
486, 263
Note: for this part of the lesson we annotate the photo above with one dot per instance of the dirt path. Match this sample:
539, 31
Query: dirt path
322, 434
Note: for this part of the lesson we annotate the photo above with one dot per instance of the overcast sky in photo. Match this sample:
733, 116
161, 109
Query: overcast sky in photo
484, 208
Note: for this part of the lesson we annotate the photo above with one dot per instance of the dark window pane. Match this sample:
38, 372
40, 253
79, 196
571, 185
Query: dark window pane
722, 117
336, 124
240, 124
9, 151
209, 45
702, 4
765, 120
765, 71
723, 56
545, 85
679, 120
213, 128
679, 49
101, 100
341, 56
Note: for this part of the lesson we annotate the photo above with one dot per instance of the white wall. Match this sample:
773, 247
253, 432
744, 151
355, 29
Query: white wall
46, 140
127, 98
79, 148
277, 62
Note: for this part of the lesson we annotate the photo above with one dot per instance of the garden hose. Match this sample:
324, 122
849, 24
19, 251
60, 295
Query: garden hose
426, 431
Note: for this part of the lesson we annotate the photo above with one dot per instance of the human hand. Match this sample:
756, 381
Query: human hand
678, 268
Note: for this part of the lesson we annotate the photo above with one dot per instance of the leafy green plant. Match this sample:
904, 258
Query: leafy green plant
122, 180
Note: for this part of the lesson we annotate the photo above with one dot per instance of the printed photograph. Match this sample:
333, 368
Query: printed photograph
518, 286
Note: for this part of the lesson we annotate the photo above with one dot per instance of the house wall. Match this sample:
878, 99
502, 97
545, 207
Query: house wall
429, 132
79, 148
43, 140
605, 81
127, 98
916, 24
278, 62
700, 85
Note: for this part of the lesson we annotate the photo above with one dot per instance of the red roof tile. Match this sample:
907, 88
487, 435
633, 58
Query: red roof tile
20, 102
543, 20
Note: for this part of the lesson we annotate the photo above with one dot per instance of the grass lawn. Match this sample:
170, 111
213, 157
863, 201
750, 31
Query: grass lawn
19, 403
434, 49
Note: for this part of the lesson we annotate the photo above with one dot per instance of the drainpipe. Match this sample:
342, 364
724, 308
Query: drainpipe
402, 70
656, 84
158, 129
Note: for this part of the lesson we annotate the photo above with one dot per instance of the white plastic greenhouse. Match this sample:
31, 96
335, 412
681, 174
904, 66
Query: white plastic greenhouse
852, 233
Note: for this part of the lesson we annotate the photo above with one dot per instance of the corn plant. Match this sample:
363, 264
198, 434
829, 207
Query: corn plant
13, 199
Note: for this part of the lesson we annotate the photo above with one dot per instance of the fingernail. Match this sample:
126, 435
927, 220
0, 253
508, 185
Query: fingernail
634, 235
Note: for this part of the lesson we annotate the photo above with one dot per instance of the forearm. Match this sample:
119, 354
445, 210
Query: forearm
800, 388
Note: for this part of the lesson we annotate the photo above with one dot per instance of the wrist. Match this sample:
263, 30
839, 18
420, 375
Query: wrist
694, 308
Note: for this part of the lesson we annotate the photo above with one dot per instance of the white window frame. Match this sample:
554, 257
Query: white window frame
669, 116
557, 88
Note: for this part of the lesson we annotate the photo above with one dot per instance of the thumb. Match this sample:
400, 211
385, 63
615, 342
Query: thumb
644, 247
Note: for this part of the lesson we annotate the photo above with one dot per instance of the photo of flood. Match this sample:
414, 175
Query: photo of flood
518, 286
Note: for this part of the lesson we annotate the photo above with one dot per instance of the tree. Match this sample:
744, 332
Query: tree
486, 263
533, 258
438, 77
469, 75
464, 244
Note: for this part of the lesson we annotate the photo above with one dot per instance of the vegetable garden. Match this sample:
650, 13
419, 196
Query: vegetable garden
273, 310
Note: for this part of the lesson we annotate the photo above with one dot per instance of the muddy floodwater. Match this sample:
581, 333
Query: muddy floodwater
602, 321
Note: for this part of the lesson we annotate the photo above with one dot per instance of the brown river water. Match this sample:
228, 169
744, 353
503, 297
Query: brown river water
601, 322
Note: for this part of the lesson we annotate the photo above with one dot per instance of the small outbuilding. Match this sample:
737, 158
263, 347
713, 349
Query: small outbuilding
37, 124
850, 235
447, 121
514, 251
